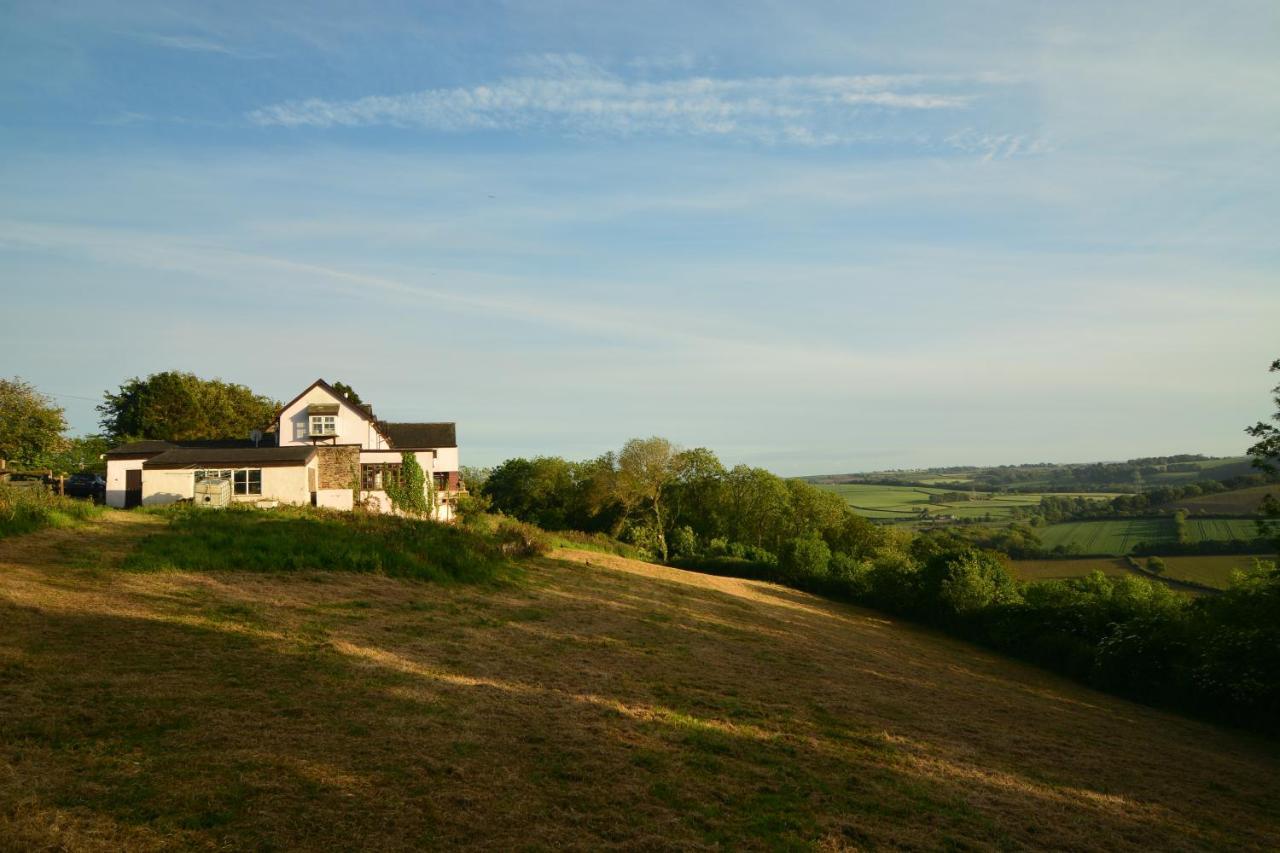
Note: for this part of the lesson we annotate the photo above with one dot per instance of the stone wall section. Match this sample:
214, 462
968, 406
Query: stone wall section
338, 466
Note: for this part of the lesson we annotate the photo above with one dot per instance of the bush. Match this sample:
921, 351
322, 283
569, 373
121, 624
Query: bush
521, 539
1155, 565
804, 557
684, 542
24, 509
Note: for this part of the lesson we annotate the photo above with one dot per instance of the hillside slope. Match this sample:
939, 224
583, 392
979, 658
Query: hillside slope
594, 702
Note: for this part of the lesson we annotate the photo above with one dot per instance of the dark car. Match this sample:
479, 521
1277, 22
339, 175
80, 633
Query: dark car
86, 486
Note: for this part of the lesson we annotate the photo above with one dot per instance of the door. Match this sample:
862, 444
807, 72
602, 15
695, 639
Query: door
133, 488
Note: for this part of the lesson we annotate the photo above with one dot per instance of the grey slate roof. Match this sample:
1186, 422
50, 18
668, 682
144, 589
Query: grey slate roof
134, 447
194, 457
404, 436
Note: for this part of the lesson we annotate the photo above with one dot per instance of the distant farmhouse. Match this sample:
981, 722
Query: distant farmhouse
323, 449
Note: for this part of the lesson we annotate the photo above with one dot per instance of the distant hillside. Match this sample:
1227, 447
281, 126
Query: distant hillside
588, 703
1129, 476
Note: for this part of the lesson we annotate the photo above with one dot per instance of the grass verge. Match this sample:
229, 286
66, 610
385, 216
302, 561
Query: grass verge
293, 538
26, 509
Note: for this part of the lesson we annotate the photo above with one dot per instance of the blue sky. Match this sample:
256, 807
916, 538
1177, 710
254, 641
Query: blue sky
812, 236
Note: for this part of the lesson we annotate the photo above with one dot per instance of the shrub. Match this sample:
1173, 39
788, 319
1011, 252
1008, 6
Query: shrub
1155, 565
24, 509
521, 539
684, 542
804, 557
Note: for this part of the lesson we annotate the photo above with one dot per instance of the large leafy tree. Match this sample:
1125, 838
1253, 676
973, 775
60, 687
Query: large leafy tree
646, 466
31, 425
175, 406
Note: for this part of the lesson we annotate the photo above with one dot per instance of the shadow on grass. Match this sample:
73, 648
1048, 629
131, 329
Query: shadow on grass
237, 730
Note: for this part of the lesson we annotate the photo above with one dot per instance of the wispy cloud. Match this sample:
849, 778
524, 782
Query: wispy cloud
196, 44
572, 95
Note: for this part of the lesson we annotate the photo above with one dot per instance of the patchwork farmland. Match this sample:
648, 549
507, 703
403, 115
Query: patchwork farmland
906, 503
1121, 536
1215, 570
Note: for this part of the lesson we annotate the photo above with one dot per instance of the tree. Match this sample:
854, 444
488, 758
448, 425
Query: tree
350, 393
83, 453
1266, 451
175, 406
646, 466
31, 425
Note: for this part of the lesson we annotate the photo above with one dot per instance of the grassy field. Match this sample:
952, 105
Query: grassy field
1238, 502
904, 503
584, 703
1212, 571
1120, 536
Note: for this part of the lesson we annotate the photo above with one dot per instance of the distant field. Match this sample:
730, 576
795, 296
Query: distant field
904, 503
1212, 571
1239, 502
1120, 536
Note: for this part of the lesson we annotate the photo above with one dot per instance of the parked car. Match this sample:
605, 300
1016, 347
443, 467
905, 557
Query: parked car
86, 486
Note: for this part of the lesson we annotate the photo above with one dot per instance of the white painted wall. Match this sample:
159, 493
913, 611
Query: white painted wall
334, 499
116, 479
287, 484
167, 486
447, 459
353, 426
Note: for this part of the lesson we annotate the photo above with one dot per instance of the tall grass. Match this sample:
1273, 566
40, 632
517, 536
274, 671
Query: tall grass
24, 509
296, 538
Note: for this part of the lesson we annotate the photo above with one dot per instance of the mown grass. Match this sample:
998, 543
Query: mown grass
1121, 536
1214, 571
24, 509
1236, 502
903, 503
291, 538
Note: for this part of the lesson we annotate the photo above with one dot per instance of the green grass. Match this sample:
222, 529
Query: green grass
904, 503
1107, 537
290, 538
1237, 502
1120, 536
24, 509
1215, 571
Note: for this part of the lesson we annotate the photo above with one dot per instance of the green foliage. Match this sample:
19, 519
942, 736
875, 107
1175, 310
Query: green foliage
1266, 451
243, 538
471, 509
31, 425
83, 453
24, 509
521, 539
1155, 565
804, 557
175, 406
348, 392
409, 492
684, 542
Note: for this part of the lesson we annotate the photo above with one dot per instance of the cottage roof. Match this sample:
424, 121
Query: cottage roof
196, 457
405, 436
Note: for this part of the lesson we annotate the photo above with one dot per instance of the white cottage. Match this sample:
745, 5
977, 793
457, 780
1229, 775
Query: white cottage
323, 449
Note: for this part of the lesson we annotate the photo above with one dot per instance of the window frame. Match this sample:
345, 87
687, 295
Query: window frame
324, 425
374, 476
245, 482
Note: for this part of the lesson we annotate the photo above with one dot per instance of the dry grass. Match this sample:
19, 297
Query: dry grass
596, 703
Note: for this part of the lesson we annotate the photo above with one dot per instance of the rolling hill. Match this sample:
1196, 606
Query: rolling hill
589, 702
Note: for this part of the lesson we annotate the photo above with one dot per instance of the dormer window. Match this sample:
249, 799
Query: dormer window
322, 419
324, 425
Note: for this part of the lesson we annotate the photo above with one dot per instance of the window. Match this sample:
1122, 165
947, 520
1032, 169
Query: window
248, 481
324, 424
442, 482
244, 481
374, 477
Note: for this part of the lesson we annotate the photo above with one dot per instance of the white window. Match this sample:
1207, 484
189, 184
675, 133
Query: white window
324, 424
244, 481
